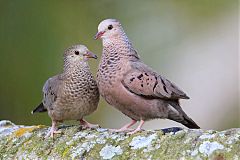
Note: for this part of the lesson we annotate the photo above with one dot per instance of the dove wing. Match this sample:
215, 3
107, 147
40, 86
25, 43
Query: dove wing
51, 90
143, 81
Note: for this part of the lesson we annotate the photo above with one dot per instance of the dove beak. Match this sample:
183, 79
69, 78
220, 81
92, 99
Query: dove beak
90, 55
99, 35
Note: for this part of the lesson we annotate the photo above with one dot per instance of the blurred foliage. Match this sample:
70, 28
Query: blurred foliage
34, 34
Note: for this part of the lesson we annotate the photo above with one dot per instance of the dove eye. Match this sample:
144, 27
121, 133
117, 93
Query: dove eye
110, 27
77, 52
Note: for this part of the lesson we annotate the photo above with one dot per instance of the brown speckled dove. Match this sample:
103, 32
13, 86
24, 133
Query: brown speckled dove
131, 86
72, 94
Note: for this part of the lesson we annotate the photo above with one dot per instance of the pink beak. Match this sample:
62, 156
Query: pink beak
99, 35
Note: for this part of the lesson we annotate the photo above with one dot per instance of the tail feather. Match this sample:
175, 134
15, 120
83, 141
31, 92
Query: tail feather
181, 117
39, 108
190, 123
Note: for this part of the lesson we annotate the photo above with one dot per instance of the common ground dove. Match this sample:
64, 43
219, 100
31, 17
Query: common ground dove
72, 94
131, 86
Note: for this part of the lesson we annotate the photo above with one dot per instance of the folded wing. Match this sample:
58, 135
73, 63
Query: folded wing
143, 81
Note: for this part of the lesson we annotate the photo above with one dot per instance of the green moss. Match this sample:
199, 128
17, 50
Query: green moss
29, 143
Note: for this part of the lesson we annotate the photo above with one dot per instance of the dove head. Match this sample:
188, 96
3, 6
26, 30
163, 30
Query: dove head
77, 54
109, 28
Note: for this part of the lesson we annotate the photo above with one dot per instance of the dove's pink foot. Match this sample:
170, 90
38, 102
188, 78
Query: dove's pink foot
125, 127
139, 128
54, 130
87, 124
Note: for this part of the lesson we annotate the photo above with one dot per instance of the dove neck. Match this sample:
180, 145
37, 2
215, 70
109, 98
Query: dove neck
119, 44
75, 67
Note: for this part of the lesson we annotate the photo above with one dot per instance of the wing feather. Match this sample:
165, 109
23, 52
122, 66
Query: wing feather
51, 90
143, 81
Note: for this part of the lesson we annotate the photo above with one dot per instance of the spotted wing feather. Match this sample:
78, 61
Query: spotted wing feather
143, 81
51, 90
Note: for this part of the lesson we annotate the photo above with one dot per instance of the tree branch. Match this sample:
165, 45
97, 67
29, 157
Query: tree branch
28, 142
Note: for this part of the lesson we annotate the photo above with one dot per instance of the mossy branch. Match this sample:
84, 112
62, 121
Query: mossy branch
28, 142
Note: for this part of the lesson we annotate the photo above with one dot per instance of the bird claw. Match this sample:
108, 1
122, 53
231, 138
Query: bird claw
51, 133
86, 124
135, 131
121, 130
91, 126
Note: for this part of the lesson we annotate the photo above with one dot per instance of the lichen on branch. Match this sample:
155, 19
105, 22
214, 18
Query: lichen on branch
29, 142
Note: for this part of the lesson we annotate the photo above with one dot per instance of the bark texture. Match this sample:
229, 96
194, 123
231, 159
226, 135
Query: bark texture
28, 142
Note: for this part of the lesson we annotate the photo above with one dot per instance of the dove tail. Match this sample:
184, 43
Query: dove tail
190, 123
181, 116
39, 108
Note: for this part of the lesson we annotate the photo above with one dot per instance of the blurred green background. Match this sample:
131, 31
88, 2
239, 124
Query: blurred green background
192, 43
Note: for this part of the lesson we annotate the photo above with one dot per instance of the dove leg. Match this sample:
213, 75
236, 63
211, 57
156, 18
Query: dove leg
87, 124
54, 130
125, 127
139, 128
